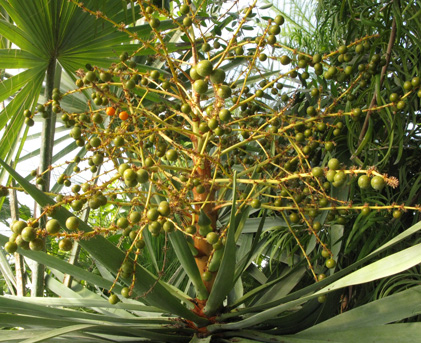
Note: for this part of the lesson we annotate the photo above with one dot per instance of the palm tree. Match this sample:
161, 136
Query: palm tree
265, 234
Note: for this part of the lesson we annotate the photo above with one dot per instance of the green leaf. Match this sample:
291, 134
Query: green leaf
184, 255
57, 332
225, 276
111, 257
390, 309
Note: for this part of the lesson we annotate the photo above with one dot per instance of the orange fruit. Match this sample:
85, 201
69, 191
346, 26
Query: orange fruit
123, 115
110, 111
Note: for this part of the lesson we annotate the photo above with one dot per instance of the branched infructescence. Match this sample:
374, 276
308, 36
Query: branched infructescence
170, 139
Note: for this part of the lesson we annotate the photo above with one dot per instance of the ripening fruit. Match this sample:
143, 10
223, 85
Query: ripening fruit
135, 217
401, 105
90, 76
105, 76
325, 253
129, 175
110, 111
194, 75
377, 182
123, 115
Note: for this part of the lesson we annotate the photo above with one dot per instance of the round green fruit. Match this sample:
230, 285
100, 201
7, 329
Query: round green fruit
152, 214
135, 217
18, 226
279, 19
206, 276
204, 68
142, 175
393, 97
187, 21
53, 226
317, 171
125, 292
333, 164
224, 91
122, 223
285, 60
10, 247
200, 86
164, 208
154, 23
377, 182
194, 75
28, 234
325, 253
217, 76
200, 189
113, 299
321, 298
72, 223
129, 175
36, 245
364, 182
171, 155
397, 214
168, 226
90, 76
155, 228
65, 244
212, 237
255, 203
330, 263
294, 218
127, 267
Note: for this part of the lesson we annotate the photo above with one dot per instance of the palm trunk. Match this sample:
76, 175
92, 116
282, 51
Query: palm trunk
46, 153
